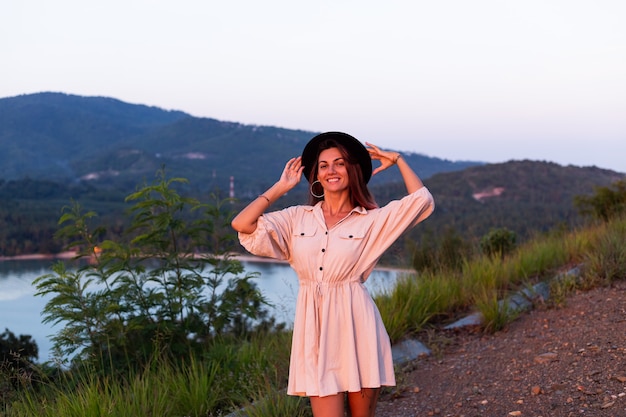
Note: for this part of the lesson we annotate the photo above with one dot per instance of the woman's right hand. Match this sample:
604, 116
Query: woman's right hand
246, 220
292, 173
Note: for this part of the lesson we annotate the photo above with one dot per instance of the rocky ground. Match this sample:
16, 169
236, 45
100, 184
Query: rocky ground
567, 361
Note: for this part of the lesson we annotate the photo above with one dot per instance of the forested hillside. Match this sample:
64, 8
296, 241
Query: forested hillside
93, 150
109, 143
525, 197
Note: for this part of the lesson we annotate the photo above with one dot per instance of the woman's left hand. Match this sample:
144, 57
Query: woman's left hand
386, 158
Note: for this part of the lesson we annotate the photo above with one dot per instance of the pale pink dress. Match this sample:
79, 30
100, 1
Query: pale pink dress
339, 340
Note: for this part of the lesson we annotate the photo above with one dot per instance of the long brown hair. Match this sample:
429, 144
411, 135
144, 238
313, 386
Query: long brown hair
360, 195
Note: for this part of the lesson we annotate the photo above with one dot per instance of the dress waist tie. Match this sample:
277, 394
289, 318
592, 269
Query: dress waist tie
319, 289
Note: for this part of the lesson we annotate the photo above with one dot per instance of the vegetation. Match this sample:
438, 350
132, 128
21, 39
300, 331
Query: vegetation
606, 203
30, 210
17, 351
498, 242
31, 207
149, 338
17, 354
446, 287
525, 197
172, 287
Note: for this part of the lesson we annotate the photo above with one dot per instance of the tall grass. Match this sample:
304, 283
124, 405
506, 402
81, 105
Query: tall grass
228, 378
496, 312
271, 402
162, 390
483, 283
411, 304
607, 262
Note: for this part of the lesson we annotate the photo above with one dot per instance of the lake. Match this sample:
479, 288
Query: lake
20, 309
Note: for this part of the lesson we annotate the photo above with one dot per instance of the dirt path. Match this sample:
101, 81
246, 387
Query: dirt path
569, 361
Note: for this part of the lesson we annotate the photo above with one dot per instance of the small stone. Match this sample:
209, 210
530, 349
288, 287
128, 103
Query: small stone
607, 405
515, 413
546, 357
416, 389
536, 390
620, 378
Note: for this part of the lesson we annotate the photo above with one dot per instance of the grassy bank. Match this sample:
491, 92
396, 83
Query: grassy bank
439, 296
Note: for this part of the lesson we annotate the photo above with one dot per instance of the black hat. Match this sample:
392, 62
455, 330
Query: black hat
354, 147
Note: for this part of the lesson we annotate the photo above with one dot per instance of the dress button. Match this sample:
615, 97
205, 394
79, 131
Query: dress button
321, 268
350, 236
323, 250
302, 234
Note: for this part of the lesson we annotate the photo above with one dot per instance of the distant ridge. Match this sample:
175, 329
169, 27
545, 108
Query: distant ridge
96, 150
108, 142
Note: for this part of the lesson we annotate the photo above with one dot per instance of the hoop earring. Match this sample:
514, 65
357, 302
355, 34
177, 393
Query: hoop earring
311, 190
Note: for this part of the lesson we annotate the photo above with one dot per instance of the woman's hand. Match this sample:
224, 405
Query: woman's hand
246, 220
292, 173
386, 158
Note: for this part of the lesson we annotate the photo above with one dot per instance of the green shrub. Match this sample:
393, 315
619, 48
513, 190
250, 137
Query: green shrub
605, 262
498, 242
167, 290
605, 204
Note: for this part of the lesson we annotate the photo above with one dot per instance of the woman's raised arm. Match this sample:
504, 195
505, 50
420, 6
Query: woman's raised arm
411, 181
246, 220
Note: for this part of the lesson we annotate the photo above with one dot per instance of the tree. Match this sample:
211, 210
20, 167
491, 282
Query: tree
605, 203
16, 356
498, 242
17, 351
170, 286
447, 251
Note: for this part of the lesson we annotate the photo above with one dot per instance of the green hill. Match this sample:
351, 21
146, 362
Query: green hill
113, 144
96, 150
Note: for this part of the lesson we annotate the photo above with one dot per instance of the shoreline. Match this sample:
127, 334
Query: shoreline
39, 256
240, 257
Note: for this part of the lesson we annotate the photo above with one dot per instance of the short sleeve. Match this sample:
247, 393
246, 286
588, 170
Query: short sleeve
395, 218
408, 211
270, 237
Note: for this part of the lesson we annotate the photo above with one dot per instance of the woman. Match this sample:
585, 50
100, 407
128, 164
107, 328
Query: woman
339, 341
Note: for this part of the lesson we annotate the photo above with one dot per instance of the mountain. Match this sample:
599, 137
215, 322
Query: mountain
525, 196
96, 150
107, 142
44, 135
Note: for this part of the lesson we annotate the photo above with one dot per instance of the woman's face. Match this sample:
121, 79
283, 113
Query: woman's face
331, 171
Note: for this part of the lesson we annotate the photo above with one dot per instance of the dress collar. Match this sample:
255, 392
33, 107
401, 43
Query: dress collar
318, 207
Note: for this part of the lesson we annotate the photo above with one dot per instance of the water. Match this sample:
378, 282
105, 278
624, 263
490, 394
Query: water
20, 309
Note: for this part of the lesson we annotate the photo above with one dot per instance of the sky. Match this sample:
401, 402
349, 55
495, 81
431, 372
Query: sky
479, 80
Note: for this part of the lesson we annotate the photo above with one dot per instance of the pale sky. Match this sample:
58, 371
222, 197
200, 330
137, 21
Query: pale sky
485, 80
